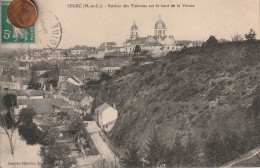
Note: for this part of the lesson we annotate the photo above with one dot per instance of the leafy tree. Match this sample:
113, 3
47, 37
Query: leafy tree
131, 158
155, 150
50, 133
104, 76
76, 124
211, 41
251, 36
26, 115
10, 101
222, 40
27, 129
31, 134
57, 155
215, 150
137, 49
7, 122
34, 85
256, 102
174, 156
237, 37
190, 153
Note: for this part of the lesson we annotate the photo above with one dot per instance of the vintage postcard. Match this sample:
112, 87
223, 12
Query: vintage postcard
131, 83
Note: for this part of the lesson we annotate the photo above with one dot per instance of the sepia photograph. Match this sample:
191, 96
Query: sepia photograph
129, 84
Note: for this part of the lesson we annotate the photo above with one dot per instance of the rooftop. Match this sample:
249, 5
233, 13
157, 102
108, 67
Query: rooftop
103, 107
41, 106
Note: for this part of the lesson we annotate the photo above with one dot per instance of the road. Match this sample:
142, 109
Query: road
101, 146
246, 156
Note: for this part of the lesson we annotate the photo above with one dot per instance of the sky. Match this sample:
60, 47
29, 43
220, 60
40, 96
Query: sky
91, 27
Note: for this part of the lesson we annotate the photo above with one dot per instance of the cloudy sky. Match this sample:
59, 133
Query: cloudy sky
222, 18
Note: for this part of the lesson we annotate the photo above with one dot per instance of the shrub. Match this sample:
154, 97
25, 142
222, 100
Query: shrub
251, 36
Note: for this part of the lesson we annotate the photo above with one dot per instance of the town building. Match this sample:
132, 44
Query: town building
106, 116
158, 44
108, 46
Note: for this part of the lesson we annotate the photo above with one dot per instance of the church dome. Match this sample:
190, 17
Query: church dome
134, 27
160, 24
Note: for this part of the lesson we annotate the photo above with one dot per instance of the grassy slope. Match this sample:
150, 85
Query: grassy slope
197, 92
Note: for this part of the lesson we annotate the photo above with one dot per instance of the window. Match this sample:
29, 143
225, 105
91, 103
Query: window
159, 32
163, 31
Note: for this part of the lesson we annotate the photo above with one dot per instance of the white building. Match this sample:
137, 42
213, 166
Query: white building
106, 116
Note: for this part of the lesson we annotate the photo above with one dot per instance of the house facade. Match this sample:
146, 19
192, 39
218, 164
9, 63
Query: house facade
106, 116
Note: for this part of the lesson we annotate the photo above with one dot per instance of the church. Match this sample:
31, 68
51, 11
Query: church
157, 44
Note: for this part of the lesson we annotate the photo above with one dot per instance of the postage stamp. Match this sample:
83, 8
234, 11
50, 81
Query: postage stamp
12, 34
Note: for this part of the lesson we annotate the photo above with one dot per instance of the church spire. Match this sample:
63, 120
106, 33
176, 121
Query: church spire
134, 31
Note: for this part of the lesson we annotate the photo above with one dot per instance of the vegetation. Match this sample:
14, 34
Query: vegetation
251, 36
237, 37
57, 155
27, 129
155, 150
7, 121
137, 49
131, 158
212, 41
204, 91
103, 77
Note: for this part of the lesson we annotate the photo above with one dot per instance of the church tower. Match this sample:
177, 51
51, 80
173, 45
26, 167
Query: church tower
134, 32
160, 28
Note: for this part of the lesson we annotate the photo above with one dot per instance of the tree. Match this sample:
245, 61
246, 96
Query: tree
190, 153
77, 125
26, 115
50, 133
10, 101
104, 76
31, 134
237, 37
211, 41
174, 156
155, 150
34, 85
27, 129
222, 40
251, 36
131, 158
214, 150
137, 49
7, 122
57, 155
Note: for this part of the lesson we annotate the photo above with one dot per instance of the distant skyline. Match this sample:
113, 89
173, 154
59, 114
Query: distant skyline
91, 27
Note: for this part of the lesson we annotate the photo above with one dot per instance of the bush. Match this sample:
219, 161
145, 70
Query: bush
251, 36
211, 41
104, 76
31, 134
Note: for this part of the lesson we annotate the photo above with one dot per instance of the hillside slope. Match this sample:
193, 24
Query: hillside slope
201, 92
